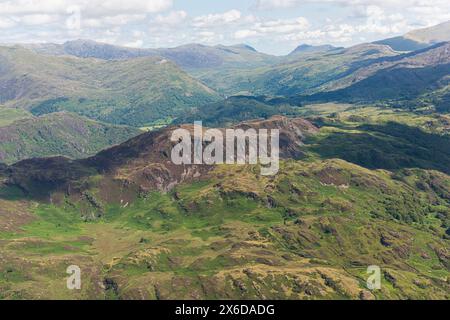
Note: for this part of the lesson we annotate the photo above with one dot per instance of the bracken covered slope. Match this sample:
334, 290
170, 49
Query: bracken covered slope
59, 134
140, 228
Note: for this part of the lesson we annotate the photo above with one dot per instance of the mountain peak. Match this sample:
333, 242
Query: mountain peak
420, 38
306, 48
245, 46
81, 41
431, 35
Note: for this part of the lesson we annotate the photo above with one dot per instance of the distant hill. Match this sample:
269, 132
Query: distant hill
236, 109
196, 56
132, 92
89, 49
419, 39
305, 48
414, 79
431, 35
59, 134
190, 56
133, 98
402, 44
296, 74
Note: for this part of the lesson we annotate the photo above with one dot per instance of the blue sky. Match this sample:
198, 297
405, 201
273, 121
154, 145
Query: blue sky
271, 26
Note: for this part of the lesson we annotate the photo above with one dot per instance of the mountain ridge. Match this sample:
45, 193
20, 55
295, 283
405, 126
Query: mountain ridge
420, 38
306, 48
188, 56
403, 77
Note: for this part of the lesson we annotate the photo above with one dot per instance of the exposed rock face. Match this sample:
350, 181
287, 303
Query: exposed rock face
366, 295
292, 133
144, 162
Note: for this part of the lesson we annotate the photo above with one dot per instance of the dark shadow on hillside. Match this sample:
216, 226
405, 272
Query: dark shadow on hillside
391, 146
37, 179
399, 84
363, 63
356, 65
237, 109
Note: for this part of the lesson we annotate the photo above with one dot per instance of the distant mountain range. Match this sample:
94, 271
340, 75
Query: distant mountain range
222, 70
190, 56
154, 87
297, 74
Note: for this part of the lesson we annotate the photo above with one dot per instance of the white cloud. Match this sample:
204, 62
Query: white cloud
87, 7
38, 19
208, 36
273, 27
217, 19
246, 33
172, 18
275, 4
6, 23
73, 18
282, 26
24, 7
117, 20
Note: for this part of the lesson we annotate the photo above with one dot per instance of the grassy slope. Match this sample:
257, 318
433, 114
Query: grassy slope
236, 109
385, 144
298, 74
120, 92
362, 74
310, 232
58, 134
190, 57
8, 116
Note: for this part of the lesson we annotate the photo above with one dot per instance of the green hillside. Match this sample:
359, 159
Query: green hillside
295, 74
415, 79
58, 134
307, 233
190, 57
363, 180
419, 39
8, 116
133, 92
237, 109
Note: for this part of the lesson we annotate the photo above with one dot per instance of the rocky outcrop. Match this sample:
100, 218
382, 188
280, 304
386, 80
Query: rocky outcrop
142, 163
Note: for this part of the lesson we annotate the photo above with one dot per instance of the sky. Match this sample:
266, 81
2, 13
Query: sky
270, 26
